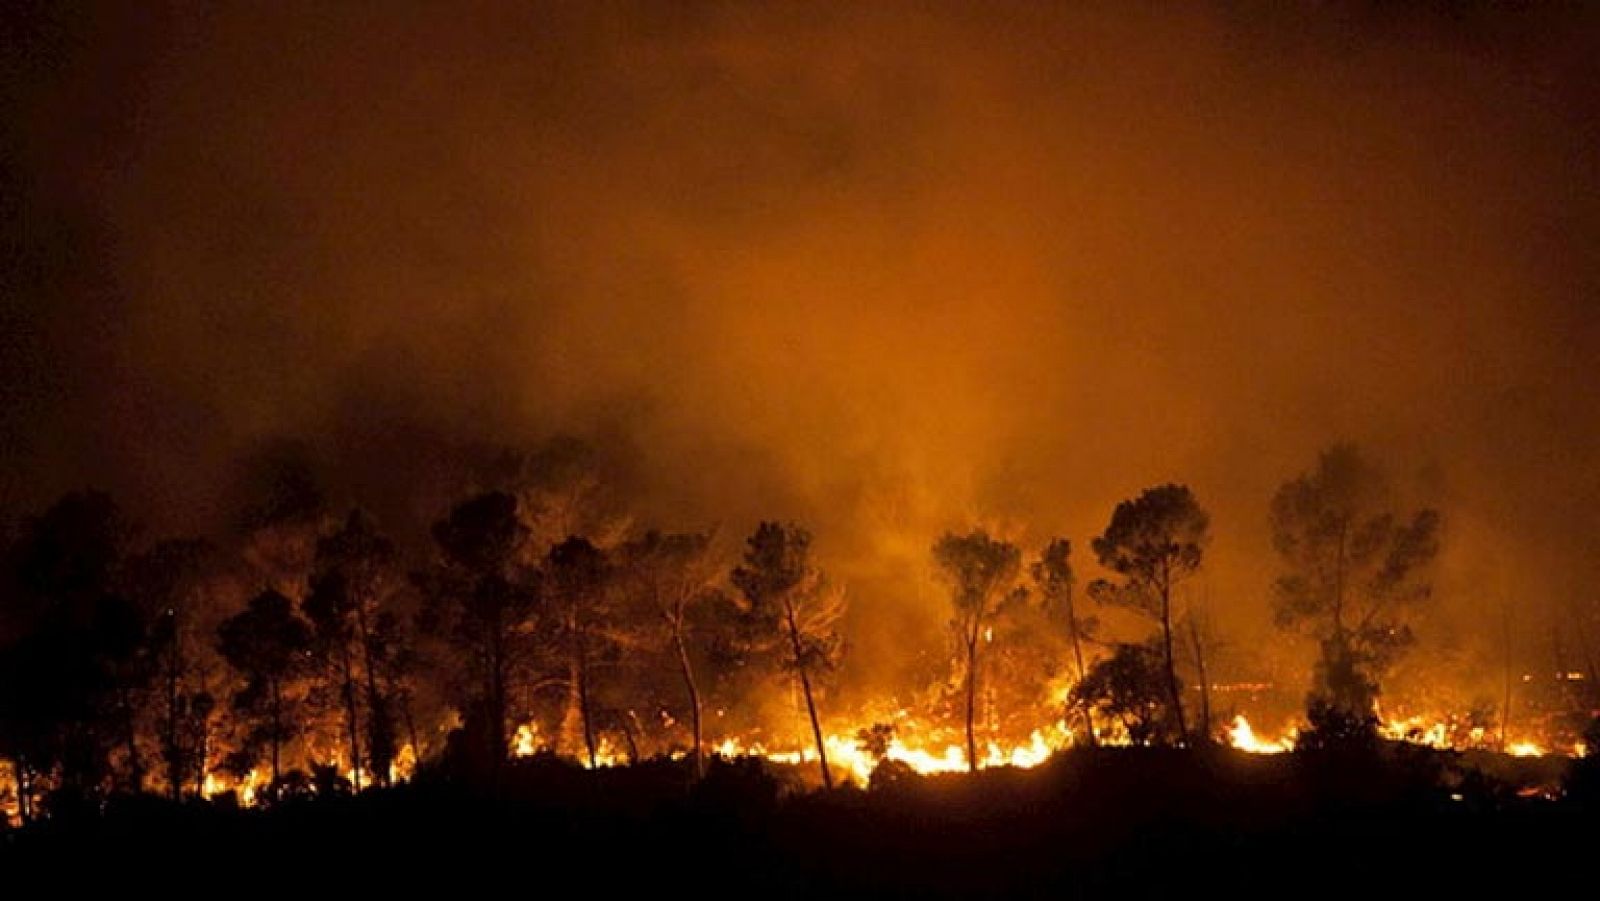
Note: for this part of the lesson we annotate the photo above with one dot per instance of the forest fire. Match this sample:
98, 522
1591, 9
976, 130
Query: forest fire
610, 653
801, 450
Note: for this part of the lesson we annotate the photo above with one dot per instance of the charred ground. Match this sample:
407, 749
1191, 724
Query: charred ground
1400, 821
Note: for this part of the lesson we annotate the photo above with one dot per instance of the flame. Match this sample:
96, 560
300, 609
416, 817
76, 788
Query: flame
1242, 736
850, 759
405, 764
1524, 749
526, 742
10, 804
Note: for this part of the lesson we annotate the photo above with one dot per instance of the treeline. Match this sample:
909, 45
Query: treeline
313, 655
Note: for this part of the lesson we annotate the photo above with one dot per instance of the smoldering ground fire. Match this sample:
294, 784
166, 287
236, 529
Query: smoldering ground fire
879, 275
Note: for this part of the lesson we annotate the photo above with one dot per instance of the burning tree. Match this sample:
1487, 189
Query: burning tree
577, 590
355, 573
670, 576
71, 656
1154, 542
1351, 568
982, 574
482, 601
267, 644
174, 584
1054, 580
789, 601
1352, 565
1130, 687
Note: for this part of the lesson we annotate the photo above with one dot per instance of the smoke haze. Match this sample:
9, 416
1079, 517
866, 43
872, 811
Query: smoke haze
884, 269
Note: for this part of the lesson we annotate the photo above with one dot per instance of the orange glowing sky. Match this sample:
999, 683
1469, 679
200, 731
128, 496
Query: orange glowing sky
883, 268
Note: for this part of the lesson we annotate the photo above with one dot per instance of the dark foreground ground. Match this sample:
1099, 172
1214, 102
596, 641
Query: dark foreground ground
1108, 823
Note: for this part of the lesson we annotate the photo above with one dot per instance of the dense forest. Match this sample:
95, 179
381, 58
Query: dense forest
308, 655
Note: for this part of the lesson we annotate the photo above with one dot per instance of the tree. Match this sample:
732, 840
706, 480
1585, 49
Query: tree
1054, 580
72, 661
982, 573
670, 576
578, 573
1198, 627
353, 575
565, 486
1352, 565
786, 596
482, 600
1130, 687
1154, 542
173, 584
266, 643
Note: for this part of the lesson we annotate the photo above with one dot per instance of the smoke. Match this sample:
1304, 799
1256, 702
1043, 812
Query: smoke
885, 269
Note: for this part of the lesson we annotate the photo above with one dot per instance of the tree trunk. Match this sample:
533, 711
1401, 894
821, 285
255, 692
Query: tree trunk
496, 700
805, 686
374, 696
972, 693
1077, 656
411, 725
1205, 681
694, 700
352, 718
1338, 588
173, 749
1505, 708
277, 729
24, 774
583, 698
633, 744
129, 741
1172, 670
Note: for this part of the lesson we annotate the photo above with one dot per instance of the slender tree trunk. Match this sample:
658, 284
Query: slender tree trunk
411, 724
173, 749
277, 729
1205, 681
130, 744
352, 718
202, 755
687, 671
633, 744
1172, 670
202, 751
496, 700
24, 774
805, 686
583, 697
972, 694
1505, 707
1338, 588
1077, 656
374, 696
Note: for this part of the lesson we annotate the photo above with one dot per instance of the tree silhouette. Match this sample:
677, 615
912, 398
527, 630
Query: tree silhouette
1130, 687
354, 574
72, 658
982, 573
173, 585
788, 598
267, 643
1054, 580
577, 582
1352, 565
1154, 542
671, 576
482, 600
